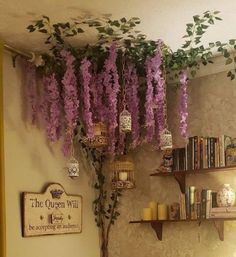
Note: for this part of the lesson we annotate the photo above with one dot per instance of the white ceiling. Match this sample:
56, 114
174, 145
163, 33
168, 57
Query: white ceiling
164, 19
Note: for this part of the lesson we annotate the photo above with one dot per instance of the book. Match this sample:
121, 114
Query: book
187, 204
182, 207
208, 204
223, 209
223, 215
203, 203
213, 199
192, 202
224, 142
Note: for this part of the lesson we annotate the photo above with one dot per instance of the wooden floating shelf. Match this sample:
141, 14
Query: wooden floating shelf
157, 225
180, 176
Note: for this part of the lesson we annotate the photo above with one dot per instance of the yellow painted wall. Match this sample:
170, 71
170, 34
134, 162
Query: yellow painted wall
30, 164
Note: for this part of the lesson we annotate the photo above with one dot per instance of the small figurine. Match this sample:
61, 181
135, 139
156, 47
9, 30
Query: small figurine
167, 161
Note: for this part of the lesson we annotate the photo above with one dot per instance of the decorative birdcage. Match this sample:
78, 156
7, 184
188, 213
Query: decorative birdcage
125, 121
100, 138
166, 140
73, 168
122, 173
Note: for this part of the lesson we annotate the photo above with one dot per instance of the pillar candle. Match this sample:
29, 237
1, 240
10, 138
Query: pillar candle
123, 176
162, 212
147, 214
153, 206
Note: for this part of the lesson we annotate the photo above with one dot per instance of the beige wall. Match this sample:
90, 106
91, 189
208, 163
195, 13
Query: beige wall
212, 105
30, 164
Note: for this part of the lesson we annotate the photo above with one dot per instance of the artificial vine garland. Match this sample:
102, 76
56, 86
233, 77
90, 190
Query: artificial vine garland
84, 85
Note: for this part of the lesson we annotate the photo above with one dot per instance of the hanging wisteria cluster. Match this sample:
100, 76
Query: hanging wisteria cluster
89, 84
86, 97
183, 103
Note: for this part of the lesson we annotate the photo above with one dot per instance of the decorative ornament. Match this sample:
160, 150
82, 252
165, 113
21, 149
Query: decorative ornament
73, 168
100, 138
166, 140
37, 59
125, 121
122, 173
225, 196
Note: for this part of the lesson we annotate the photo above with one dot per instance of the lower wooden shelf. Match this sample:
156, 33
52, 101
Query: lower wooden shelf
157, 225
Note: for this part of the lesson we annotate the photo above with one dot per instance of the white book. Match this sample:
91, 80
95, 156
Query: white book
224, 142
223, 215
223, 209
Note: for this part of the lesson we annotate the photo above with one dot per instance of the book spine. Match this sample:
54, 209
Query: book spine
208, 153
201, 152
222, 151
187, 204
212, 152
196, 152
192, 201
190, 153
208, 204
205, 159
217, 153
223, 215
203, 203
223, 210
213, 199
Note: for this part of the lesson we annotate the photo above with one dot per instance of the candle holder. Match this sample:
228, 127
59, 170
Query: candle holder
73, 168
100, 138
166, 140
125, 121
122, 173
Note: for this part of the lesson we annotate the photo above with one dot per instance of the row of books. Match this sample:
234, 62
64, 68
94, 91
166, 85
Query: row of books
201, 153
202, 204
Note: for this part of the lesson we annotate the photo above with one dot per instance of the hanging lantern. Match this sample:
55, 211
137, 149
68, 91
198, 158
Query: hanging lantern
125, 121
73, 168
122, 176
166, 140
100, 138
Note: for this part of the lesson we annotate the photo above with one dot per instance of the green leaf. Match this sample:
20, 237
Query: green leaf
196, 18
43, 30
226, 53
232, 41
101, 29
31, 28
46, 17
228, 61
211, 21
218, 18
211, 45
79, 30
123, 20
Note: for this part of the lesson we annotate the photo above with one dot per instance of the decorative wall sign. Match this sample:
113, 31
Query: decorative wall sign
52, 212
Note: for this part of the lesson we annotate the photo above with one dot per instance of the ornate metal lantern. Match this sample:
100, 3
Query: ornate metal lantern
166, 140
125, 121
100, 136
122, 176
73, 168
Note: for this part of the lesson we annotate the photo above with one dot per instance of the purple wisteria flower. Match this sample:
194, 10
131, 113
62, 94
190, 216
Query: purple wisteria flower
183, 110
86, 82
112, 87
71, 100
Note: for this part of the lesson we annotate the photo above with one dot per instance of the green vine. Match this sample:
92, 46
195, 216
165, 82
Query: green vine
134, 44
